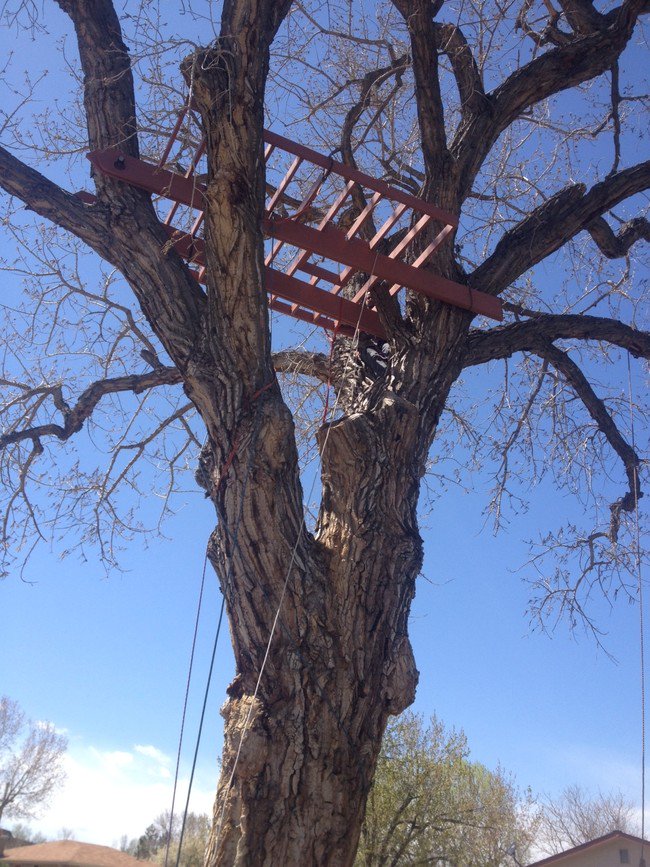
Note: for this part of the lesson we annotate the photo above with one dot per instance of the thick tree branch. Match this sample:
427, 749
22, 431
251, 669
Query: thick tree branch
542, 328
563, 67
48, 200
596, 408
452, 42
314, 364
424, 36
582, 15
109, 98
614, 246
553, 223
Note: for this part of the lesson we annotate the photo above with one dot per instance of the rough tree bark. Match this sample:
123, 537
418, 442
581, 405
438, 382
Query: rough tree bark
340, 661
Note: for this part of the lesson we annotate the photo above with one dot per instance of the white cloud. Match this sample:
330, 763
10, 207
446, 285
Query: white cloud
152, 753
111, 793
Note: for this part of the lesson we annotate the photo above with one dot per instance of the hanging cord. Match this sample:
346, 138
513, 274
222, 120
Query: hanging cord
329, 369
187, 692
235, 545
641, 623
274, 624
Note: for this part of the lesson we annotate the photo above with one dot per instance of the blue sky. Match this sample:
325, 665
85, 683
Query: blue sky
105, 659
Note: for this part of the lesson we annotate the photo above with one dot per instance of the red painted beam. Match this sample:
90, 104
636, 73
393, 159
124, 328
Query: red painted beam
365, 180
336, 307
333, 244
328, 241
330, 311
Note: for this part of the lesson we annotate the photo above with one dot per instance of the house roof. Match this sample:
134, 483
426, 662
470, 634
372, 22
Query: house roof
69, 852
590, 844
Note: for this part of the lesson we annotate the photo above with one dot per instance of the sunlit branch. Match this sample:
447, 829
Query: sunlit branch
531, 334
552, 224
75, 416
313, 364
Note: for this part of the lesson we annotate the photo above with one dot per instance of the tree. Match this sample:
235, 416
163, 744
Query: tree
31, 762
576, 817
24, 834
153, 844
490, 113
430, 805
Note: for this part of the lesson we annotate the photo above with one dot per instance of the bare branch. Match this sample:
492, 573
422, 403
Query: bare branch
540, 328
48, 200
314, 364
581, 15
552, 224
424, 36
596, 408
452, 42
615, 246
369, 85
563, 67
74, 417
109, 97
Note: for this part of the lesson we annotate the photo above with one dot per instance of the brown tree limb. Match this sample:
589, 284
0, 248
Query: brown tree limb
582, 16
424, 36
75, 416
109, 96
616, 245
452, 42
369, 84
553, 223
596, 408
312, 364
48, 200
561, 68
542, 328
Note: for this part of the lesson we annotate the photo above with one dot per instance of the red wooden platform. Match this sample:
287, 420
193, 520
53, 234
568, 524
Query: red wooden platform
320, 222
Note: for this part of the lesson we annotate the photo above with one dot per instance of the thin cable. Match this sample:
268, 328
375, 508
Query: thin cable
294, 552
640, 592
235, 534
187, 692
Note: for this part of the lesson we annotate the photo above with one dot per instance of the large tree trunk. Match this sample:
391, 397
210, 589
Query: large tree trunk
302, 740
340, 661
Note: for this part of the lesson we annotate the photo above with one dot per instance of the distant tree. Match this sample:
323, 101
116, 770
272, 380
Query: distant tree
25, 834
65, 834
576, 817
152, 845
149, 843
195, 840
430, 804
31, 764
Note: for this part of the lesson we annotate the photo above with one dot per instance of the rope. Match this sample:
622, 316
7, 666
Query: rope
187, 692
329, 367
274, 624
641, 622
